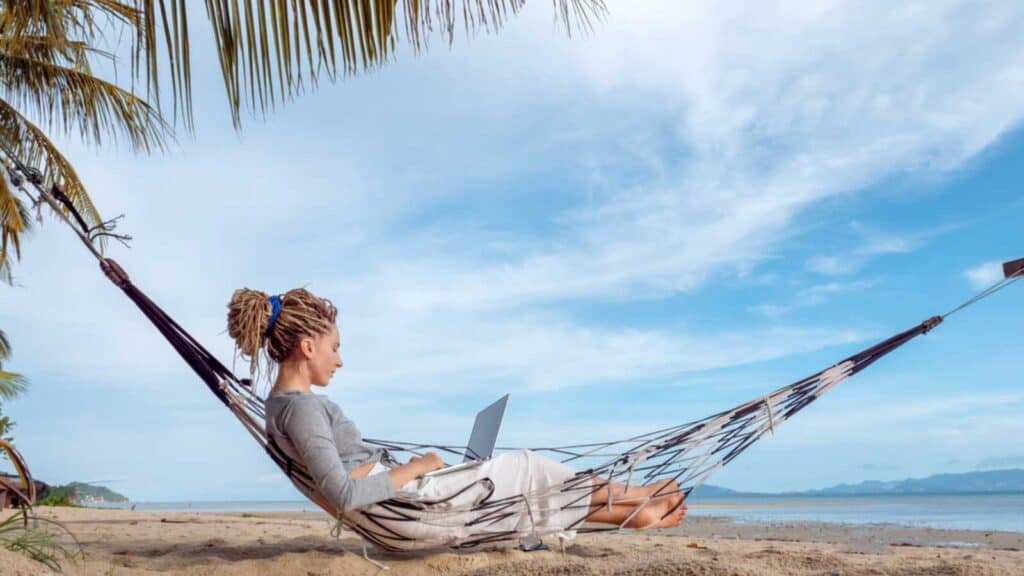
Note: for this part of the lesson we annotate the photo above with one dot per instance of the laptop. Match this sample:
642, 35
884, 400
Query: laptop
481, 442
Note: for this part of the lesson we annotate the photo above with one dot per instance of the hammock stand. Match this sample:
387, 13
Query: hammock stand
688, 453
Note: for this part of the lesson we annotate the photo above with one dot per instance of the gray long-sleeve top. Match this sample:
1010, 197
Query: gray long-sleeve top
313, 430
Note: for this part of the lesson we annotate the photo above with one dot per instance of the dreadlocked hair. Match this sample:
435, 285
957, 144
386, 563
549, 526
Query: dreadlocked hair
302, 315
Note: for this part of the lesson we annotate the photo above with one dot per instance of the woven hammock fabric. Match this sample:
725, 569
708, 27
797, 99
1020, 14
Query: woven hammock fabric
688, 453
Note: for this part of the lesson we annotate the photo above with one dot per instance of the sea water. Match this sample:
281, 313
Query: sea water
999, 512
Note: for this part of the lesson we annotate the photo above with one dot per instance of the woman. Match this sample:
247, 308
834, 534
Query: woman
296, 334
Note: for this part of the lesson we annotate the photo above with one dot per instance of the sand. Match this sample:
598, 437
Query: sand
125, 543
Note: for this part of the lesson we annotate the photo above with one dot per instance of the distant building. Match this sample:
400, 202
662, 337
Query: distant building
10, 486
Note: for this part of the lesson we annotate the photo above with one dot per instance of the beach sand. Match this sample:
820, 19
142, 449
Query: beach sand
126, 543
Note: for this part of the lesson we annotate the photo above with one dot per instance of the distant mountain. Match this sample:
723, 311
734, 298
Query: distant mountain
967, 482
987, 481
89, 493
711, 491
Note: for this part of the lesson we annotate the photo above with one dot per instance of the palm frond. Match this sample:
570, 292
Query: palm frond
271, 50
64, 21
5, 347
76, 102
29, 143
12, 385
46, 47
14, 221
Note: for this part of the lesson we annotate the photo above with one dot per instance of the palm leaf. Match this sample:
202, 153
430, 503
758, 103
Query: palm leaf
76, 102
14, 221
5, 346
45, 51
29, 143
12, 385
271, 50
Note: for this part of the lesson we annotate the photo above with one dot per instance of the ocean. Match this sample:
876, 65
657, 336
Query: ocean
986, 512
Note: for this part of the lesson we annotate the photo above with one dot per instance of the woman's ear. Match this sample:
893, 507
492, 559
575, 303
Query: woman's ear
306, 347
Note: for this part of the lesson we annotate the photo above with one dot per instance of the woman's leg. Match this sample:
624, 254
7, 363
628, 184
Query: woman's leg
658, 513
620, 493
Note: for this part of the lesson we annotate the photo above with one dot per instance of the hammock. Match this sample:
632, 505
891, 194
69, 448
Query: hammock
688, 453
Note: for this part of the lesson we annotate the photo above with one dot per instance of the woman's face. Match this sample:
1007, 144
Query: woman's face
325, 358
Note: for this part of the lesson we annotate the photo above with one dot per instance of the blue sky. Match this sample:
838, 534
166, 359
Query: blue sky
685, 210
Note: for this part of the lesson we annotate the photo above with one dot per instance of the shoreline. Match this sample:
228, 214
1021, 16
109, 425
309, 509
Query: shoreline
727, 528
137, 543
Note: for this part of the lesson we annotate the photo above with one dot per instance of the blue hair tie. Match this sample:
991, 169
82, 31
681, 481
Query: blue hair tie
275, 311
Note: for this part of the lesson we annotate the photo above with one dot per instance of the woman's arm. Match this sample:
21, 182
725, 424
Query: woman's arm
306, 424
400, 476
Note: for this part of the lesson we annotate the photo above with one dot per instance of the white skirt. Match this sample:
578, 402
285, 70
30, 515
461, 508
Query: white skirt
516, 494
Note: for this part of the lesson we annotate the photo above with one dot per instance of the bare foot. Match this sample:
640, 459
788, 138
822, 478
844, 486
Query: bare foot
658, 513
666, 489
674, 518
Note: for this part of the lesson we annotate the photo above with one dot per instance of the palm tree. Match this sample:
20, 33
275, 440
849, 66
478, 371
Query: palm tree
47, 85
11, 384
269, 51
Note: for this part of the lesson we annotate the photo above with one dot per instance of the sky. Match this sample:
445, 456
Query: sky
690, 207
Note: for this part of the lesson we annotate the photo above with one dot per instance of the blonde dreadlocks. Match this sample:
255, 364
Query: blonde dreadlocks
301, 315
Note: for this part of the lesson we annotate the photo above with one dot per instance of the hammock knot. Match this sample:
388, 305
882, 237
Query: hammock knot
931, 323
115, 273
339, 525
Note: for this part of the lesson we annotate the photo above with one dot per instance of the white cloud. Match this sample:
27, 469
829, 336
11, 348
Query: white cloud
814, 295
833, 265
984, 275
678, 145
872, 243
954, 421
771, 111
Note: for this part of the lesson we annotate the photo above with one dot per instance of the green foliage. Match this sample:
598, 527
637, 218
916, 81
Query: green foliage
59, 496
6, 425
37, 538
11, 386
86, 491
73, 493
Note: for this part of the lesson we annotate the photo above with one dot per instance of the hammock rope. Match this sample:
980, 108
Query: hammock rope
688, 453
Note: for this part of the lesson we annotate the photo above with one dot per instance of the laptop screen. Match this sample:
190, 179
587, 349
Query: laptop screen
485, 431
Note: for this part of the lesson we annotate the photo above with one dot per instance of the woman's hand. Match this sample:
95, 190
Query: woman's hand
415, 468
428, 462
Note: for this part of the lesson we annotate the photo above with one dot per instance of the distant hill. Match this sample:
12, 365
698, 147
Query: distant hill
987, 481
711, 491
87, 493
968, 482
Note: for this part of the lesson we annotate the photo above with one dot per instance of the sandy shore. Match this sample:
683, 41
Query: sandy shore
125, 543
